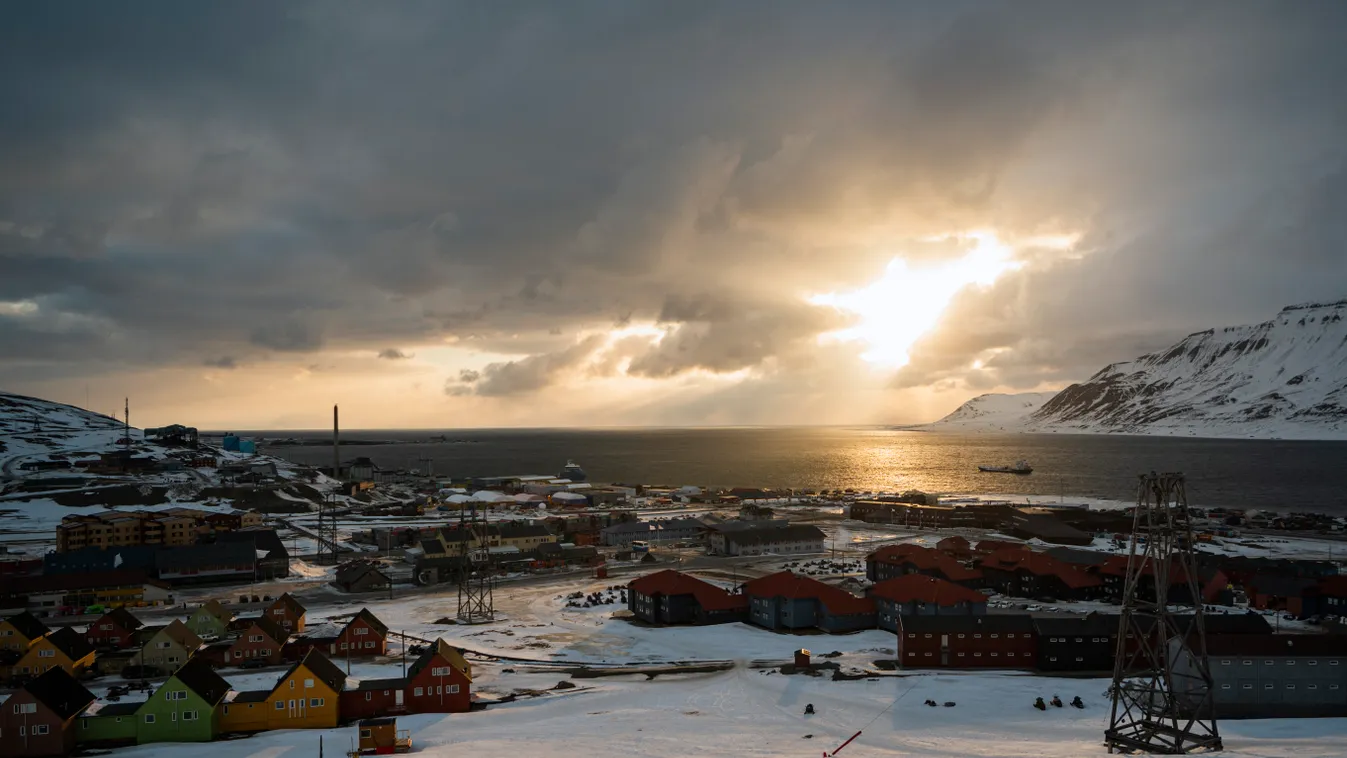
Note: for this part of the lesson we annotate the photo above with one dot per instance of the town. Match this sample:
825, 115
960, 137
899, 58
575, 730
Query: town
184, 618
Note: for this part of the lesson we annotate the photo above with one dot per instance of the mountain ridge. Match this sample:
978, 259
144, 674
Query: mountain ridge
1282, 378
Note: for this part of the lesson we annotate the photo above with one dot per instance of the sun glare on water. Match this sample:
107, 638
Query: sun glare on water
893, 312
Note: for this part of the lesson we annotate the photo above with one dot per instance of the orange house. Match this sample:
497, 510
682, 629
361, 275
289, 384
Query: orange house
64, 648
307, 697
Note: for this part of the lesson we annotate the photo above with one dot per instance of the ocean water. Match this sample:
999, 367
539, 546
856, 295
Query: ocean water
1276, 475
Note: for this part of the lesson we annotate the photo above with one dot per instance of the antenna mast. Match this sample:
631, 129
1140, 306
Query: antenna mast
1162, 687
476, 601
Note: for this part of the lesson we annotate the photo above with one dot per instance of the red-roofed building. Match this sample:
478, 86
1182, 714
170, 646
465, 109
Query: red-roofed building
993, 546
896, 560
1023, 573
784, 601
955, 547
672, 597
915, 594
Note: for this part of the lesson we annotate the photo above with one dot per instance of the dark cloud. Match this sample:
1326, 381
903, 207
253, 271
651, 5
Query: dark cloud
534, 372
224, 361
181, 182
394, 354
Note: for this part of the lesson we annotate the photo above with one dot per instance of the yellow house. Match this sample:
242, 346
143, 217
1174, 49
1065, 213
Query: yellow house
245, 712
64, 648
18, 632
308, 696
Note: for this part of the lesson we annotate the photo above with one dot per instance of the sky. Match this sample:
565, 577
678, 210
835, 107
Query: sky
502, 213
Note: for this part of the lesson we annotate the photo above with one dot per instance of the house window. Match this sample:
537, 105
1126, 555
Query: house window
46, 654
1269, 663
369, 644
1269, 686
1225, 686
1010, 636
280, 705
977, 636
1332, 663
367, 696
961, 636
1290, 686
315, 702
421, 690
1225, 662
911, 636
961, 655
40, 729
1079, 659
1311, 686
928, 636
189, 715
365, 733
1053, 659
994, 636
1248, 686
1248, 663
149, 718
1080, 639
1311, 663
977, 655
993, 655
361, 631
308, 684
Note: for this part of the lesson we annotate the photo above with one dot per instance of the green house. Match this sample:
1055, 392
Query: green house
186, 708
211, 620
107, 725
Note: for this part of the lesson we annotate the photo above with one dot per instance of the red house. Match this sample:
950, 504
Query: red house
372, 698
39, 719
287, 612
440, 681
364, 635
263, 639
114, 631
998, 641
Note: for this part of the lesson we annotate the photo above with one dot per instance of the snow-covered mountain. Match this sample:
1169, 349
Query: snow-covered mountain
993, 413
1283, 378
31, 426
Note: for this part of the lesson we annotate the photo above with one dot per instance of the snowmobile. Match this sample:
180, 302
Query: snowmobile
1077, 702
809, 709
949, 703
1040, 705
931, 702
1056, 702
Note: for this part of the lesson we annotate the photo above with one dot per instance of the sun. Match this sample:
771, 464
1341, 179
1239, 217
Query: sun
907, 301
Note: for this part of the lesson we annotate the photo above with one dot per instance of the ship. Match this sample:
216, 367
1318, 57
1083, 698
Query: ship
1020, 467
573, 472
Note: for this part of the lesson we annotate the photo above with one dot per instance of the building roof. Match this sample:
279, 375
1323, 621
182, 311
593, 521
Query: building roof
371, 619
1078, 556
321, 667
113, 709
953, 543
1277, 644
262, 538
28, 625
997, 623
179, 633
670, 582
1089, 625
271, 629
290, 603
252, 696
379, 684
1047, 528
354, 572
442, 649
1116, 565
217, 609
123, 618
925, 559
992, 546
925, 589
198, 676
206, 554
1041, 564
627, 527
787, 533
785, 584
60, 692
70, 642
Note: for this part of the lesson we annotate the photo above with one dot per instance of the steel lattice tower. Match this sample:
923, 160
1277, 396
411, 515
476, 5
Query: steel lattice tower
1162, 688
476, 601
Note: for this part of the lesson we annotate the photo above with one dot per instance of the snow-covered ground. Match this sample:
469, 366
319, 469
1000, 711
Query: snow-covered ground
747, 712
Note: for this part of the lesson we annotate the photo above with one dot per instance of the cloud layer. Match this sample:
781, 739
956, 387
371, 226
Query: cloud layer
617, 211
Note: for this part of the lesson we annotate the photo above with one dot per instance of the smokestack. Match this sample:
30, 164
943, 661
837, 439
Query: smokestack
336, 456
